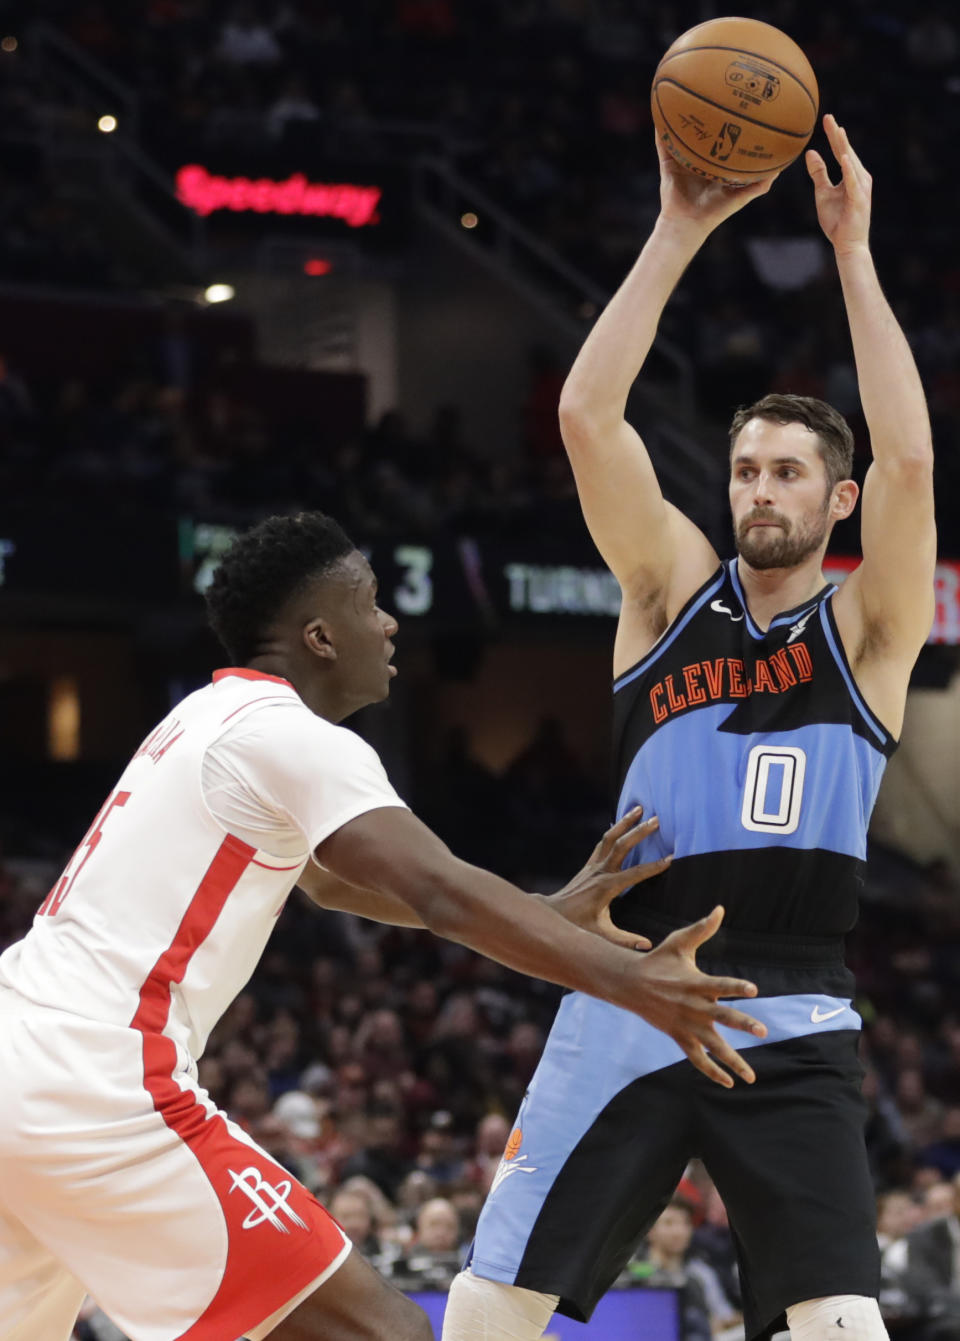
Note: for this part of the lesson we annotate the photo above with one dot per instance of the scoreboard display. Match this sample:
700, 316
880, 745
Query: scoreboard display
461, 583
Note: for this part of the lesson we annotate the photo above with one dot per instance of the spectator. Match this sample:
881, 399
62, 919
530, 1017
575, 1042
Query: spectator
713, 1243
294, 106
944, 1153
489, 1144
382, 1159
434, 1257
354, 1212
246, 39
897, 1213
300, 1115
920, 1113
276, 1138
931, 1278
704, 1305
438, 1155
938, 1201
415, 1191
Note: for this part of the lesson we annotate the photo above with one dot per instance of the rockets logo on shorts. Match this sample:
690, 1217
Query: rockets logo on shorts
252, 1183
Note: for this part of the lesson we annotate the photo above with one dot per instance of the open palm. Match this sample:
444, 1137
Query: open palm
843, 209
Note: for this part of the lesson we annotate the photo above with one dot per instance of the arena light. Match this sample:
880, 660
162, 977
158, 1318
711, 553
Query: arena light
63, 718
9, 44
219, 293
468, 219
107, 124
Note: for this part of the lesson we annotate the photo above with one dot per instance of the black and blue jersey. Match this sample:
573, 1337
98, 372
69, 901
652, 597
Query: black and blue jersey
761, 759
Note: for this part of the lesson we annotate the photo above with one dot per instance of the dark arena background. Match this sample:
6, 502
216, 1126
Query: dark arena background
264, 258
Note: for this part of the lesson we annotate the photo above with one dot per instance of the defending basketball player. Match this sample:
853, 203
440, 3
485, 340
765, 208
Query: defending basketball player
118, 1175
755, 707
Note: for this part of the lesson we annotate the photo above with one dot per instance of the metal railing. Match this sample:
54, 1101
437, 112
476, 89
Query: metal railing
567, 298
89, 82
557, 288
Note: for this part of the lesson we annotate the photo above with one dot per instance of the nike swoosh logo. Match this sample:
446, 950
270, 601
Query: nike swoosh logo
818, 1017
722, 609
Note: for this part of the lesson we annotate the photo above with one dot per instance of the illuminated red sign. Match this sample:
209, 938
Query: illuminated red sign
203, 192
946, 587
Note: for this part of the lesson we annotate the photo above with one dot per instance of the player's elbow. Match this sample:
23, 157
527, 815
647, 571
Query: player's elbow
582, 422
912, 464
919, 463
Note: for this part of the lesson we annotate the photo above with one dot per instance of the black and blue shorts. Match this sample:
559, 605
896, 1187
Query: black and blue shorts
615, 1112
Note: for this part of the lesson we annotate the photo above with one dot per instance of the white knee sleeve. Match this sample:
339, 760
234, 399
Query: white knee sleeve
839, 1317
486, 1310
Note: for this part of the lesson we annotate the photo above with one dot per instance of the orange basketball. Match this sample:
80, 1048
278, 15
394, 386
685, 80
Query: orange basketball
735, 100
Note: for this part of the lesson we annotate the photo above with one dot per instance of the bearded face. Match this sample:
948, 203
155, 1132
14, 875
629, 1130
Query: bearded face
781, 499
766, 538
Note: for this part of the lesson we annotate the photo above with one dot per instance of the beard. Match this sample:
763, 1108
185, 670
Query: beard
786, 547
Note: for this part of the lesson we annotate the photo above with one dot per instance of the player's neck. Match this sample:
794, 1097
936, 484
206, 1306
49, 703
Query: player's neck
322, 698
770, 591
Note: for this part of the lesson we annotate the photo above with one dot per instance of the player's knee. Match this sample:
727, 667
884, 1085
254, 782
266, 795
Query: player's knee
838, 1317
478, 1307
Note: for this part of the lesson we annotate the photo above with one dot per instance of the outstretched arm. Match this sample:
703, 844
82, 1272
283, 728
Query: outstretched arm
887, 604
327, 890
656, 554
585, 900
391, 852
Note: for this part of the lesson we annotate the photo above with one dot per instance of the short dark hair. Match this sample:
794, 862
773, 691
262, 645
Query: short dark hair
263, 568
834, 436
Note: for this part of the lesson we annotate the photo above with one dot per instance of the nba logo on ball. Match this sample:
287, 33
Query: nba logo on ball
735, 100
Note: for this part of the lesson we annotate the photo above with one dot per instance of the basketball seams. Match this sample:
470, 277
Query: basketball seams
736, 116
739, 51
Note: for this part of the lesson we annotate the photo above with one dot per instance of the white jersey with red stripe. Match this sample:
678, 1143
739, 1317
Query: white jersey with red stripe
162, 913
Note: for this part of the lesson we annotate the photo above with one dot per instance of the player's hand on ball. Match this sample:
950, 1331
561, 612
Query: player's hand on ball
844, 209
687, 1003
586, 899
689, 199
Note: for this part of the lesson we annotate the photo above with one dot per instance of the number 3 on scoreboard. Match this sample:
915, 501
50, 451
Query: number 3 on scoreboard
774, 789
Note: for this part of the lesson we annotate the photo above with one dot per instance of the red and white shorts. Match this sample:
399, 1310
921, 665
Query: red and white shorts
119, 1178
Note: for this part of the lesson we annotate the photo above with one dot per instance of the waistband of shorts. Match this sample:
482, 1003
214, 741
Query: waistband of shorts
747, 946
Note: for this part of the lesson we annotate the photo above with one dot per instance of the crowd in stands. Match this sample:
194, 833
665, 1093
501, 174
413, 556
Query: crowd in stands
134, 438
542, 104
383, 1067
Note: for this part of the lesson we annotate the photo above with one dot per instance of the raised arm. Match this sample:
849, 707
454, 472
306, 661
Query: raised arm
656, 554
391, 852
885, 608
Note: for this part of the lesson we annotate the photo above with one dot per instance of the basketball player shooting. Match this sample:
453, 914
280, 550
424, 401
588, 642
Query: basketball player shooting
118, 1175
755, 707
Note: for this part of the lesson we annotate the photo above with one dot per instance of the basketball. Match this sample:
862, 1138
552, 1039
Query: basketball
734, 100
